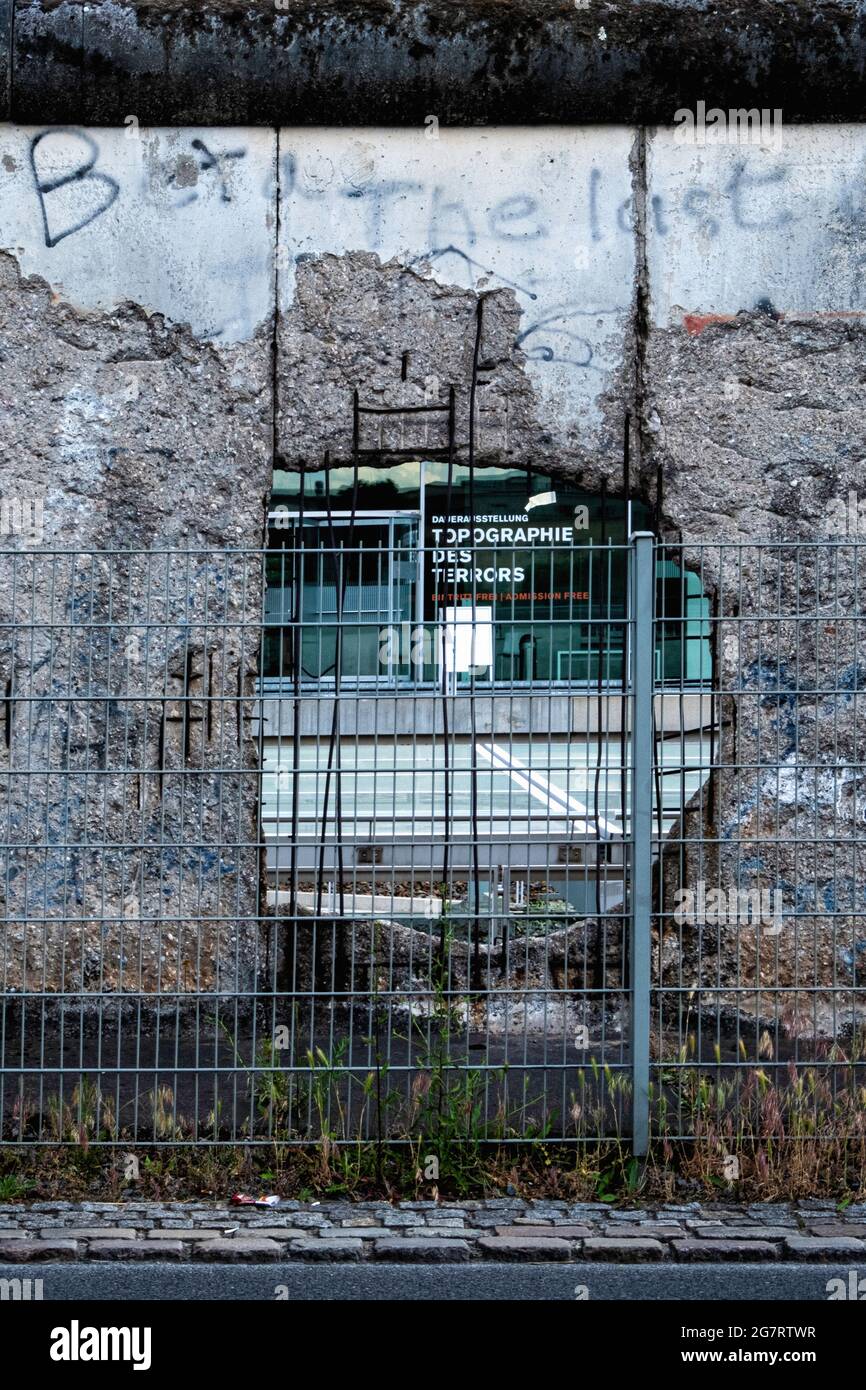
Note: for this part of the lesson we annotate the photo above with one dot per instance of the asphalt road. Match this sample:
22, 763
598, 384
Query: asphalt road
450, 1282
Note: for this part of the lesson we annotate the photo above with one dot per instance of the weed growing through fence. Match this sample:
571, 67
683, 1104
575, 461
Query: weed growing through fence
773, 1129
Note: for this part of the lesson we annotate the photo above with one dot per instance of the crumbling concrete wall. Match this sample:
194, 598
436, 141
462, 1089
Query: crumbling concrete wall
377, 315
755, 417
544, 215
148, 399
128, 646
715, 291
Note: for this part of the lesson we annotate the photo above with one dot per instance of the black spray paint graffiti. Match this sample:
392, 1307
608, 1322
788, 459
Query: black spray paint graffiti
97, 191
103, 186
751, 197
741, 199
566, 344
515, 218
452, 226
188, 169
558, 325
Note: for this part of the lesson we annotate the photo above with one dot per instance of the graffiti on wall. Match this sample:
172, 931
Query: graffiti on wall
193, 223
180, 221
65, 157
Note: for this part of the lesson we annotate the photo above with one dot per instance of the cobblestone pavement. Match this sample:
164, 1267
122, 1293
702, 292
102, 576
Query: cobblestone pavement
498, 1229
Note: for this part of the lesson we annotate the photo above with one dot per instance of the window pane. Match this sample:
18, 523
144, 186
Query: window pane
544, 564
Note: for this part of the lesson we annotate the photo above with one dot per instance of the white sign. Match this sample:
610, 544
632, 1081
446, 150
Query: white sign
468, 639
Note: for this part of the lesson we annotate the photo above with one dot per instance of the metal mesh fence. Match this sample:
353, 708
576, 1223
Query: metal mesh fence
332, 839
759, 932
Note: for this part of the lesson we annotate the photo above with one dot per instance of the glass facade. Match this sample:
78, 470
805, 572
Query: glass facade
499, 578
533, 787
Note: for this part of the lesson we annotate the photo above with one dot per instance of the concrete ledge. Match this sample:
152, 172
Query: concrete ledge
509, 712
475, 62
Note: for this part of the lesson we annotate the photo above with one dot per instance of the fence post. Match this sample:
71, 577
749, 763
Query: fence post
641, 614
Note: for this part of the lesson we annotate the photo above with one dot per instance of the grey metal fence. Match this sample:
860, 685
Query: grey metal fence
759, 916
342, 839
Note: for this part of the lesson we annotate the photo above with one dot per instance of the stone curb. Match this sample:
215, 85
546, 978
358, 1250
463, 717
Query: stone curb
507, 1229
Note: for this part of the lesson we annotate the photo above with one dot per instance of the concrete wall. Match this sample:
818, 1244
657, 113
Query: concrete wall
182, 309
755, 417
475, 62
539, 213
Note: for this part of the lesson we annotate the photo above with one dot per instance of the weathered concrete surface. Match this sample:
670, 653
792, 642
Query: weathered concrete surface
135, 739
734, 226
546, 987
5, 57
754, 368
129, 428
543, 215
353, 320
469, 61
139, 433
179, 221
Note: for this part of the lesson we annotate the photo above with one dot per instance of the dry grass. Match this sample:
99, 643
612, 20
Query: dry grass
758, 1132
